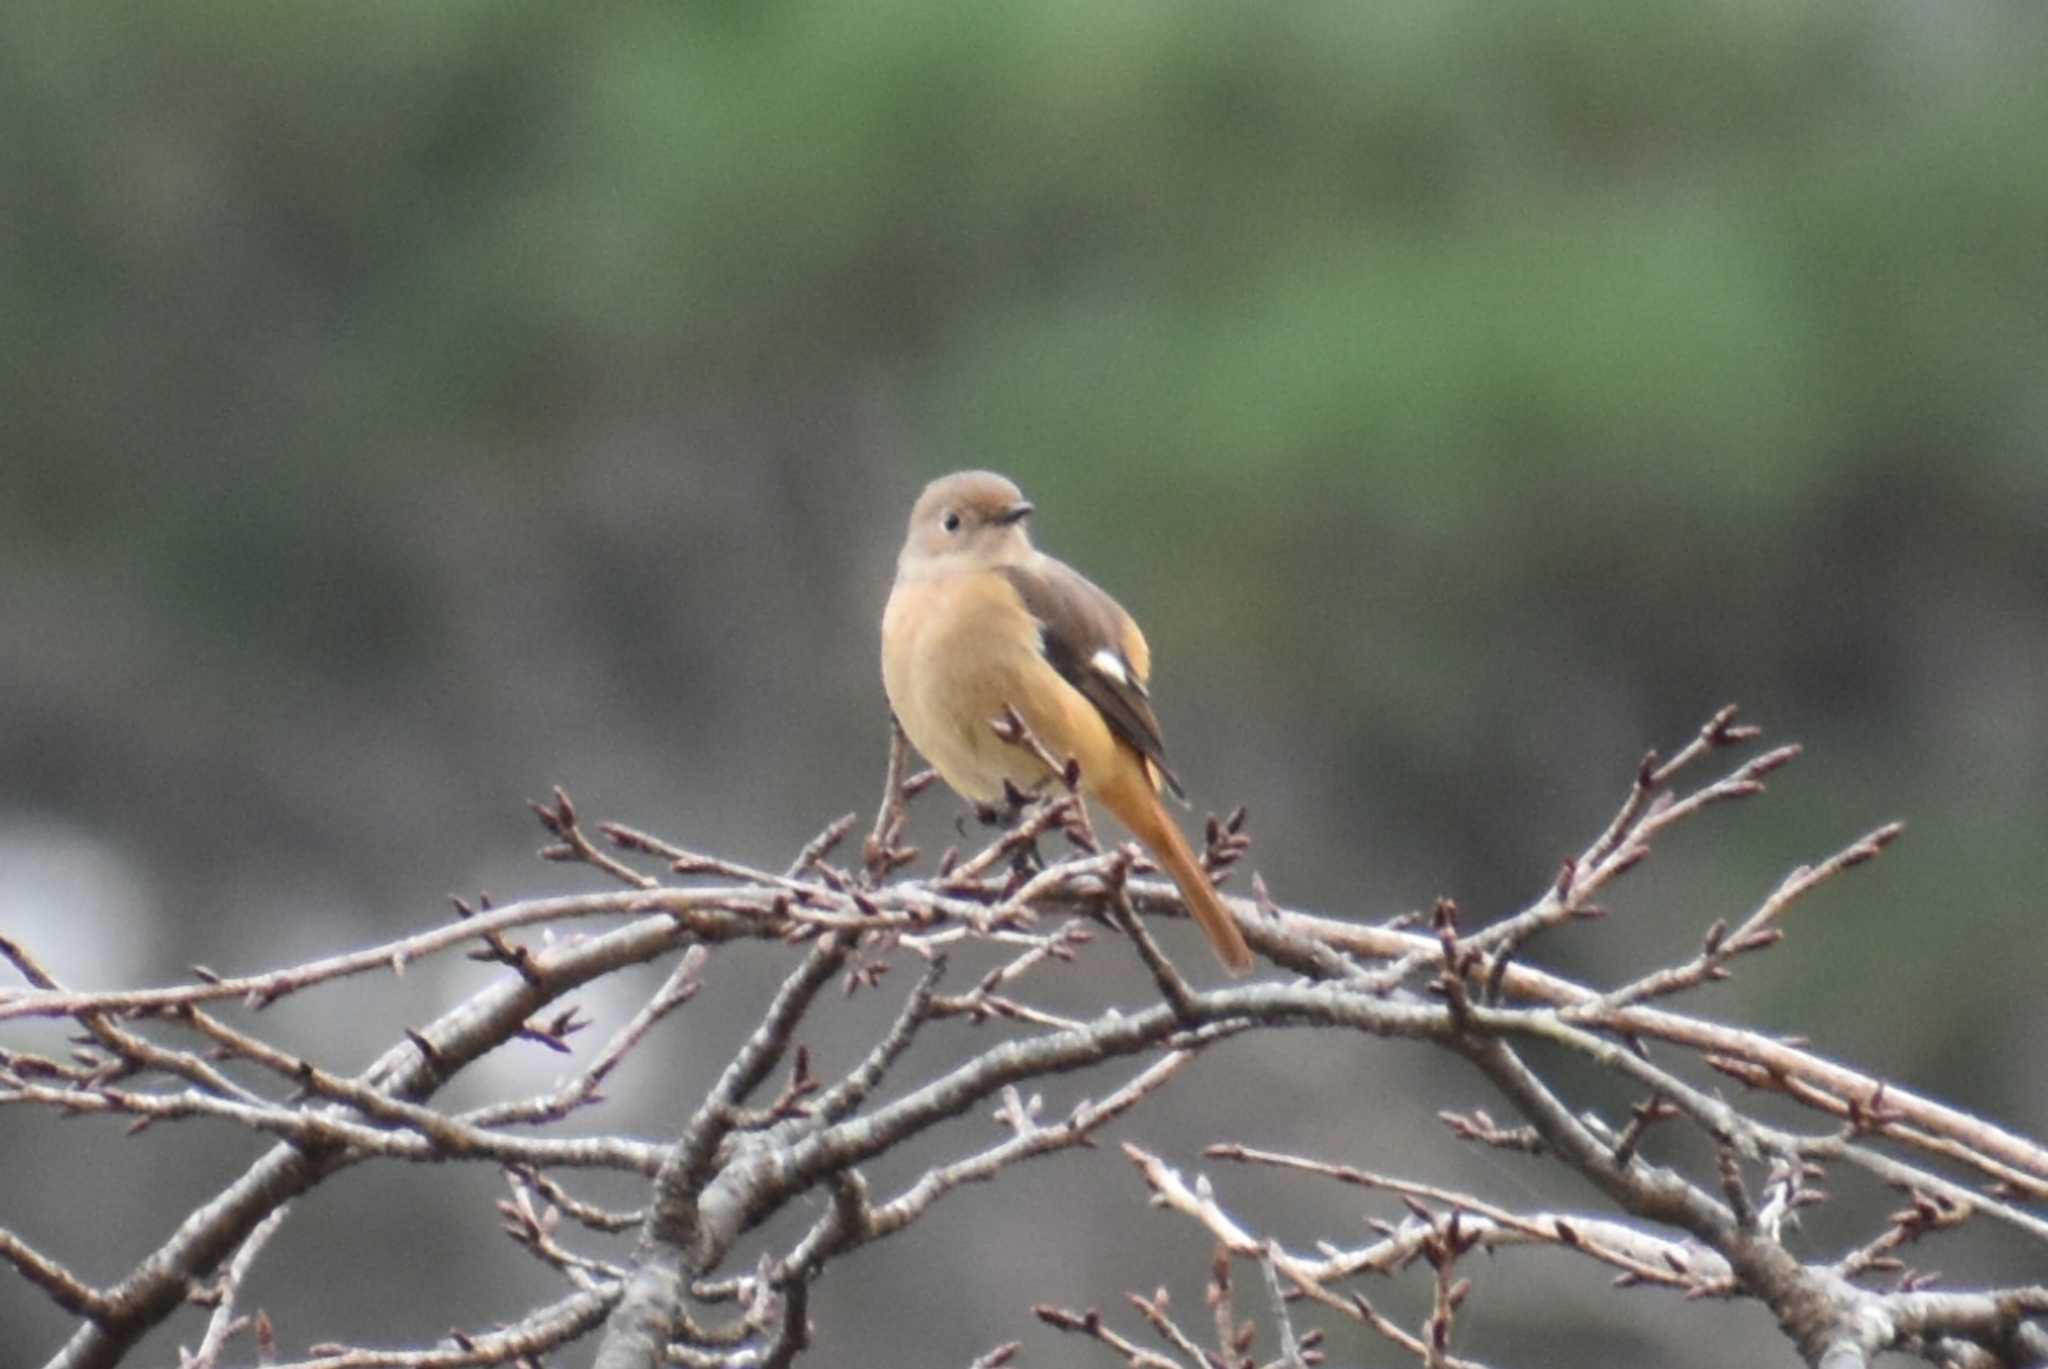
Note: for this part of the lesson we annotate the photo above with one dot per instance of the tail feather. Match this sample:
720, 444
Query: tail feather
1137, 807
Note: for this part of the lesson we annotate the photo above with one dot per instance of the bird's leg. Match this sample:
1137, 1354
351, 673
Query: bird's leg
1015, 801
1005, 815
1024, 858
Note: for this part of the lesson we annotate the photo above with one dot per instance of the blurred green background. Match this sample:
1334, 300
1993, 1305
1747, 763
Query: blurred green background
410, 407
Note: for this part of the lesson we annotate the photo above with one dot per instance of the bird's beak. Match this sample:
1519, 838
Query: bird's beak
1016, 513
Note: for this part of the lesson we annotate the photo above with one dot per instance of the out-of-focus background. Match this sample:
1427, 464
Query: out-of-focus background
407, 408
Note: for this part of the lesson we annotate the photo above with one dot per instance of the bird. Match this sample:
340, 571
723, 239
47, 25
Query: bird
980, 622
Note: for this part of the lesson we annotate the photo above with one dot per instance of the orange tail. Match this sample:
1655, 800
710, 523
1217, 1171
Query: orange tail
1136, 805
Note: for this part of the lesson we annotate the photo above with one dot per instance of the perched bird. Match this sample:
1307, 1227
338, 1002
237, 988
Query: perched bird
980, 621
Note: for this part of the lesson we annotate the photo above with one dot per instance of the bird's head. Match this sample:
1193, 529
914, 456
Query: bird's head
968, 518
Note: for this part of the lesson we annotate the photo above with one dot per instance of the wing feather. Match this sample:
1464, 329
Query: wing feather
1095, 646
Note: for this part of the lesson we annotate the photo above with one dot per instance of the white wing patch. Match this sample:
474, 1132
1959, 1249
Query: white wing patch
1111, 663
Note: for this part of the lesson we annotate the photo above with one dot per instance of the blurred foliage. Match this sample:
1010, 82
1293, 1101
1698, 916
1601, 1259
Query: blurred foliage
409, 406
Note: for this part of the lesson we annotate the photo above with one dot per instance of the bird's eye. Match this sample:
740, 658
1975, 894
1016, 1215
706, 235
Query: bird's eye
951, 522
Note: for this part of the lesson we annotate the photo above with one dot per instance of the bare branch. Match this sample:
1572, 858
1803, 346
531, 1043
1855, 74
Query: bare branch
224, 1325
734, 1162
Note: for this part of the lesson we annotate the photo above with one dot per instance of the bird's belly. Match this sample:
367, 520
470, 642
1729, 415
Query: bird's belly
951, 688
957, 733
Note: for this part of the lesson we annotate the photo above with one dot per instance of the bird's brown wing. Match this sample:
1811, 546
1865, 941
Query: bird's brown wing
1087, 637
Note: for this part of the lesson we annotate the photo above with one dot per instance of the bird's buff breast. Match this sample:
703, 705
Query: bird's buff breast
951, 680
